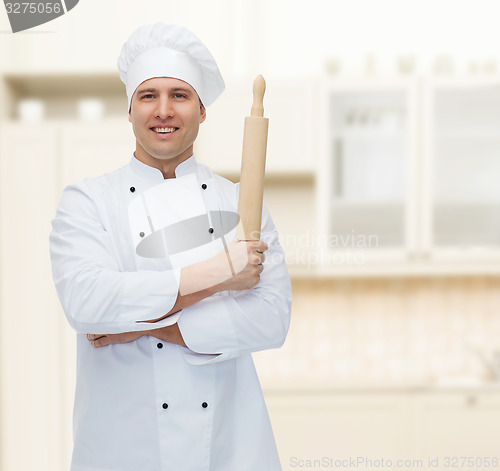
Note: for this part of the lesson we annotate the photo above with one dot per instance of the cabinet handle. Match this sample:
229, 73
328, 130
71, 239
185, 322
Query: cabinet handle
338, 169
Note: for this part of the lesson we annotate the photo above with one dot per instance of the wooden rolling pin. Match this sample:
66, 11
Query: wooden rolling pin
253, 163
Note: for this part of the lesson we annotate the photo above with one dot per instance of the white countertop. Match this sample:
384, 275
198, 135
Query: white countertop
459, 386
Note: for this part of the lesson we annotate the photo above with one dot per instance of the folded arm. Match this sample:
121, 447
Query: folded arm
195, 278
99, 295
231, 323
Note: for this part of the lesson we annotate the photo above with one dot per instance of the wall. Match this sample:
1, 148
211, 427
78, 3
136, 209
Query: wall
410, 331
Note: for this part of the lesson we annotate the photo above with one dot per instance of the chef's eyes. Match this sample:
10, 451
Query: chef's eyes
177, 96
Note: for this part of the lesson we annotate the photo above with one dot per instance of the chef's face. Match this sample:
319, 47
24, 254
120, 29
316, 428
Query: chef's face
165, 114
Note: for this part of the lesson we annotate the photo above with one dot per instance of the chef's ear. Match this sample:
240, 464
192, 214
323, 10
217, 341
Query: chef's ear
203, 113
130, 108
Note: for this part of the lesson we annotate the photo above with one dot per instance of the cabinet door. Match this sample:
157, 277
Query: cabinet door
33, 330
317, 425
220, 138
92, 149
457, 424
367, 179
290, 147
463, 168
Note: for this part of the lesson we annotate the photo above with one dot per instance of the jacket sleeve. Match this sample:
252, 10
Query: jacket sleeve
234, 323
97, 295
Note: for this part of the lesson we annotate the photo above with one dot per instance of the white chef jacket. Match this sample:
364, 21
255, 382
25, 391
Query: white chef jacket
150, 405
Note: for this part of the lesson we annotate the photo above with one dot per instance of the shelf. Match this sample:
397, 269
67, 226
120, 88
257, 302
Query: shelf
60, 94
71, 84
318, 387
399, 270
467, 134
369, 134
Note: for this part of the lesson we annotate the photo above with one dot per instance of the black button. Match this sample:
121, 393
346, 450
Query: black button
204, 186
165, 405
132, 189
142, 234
204, 405
211, 230
159, 345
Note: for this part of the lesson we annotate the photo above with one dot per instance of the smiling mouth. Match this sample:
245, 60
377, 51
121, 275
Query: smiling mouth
164, 130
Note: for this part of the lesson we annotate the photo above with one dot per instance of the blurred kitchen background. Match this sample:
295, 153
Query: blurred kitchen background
383, 179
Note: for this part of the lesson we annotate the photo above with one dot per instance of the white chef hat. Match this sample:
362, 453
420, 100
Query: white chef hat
163, 50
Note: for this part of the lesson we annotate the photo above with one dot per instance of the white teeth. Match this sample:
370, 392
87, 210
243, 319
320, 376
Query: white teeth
164, 130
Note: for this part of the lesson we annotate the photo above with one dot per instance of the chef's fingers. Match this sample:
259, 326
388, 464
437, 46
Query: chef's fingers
261, 246
100, 342
94, 336
257, 258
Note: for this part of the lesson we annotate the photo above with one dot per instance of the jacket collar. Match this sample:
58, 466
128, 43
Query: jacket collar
152, 173
186, 167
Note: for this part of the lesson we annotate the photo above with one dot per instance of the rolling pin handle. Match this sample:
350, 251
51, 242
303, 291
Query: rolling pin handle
259, 88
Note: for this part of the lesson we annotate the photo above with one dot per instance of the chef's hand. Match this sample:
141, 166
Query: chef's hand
247, 260
99, 340
237, 268
170, 333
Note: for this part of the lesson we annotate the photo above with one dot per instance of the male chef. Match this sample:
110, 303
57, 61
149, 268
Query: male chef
166, 304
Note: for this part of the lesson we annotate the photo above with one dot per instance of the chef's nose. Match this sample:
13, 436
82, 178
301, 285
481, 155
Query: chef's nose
164, 108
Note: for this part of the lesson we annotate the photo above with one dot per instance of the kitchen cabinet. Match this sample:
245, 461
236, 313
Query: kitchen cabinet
291, 148
406, 181
462, 166
317, 425
369, 154
398, 423
291, 156
37, 161
94, 148
32, 326
70, 150
457, 424
289, 104
366, 194
220, 137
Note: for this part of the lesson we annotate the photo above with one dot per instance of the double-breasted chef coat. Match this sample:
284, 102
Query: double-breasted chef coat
150, 405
